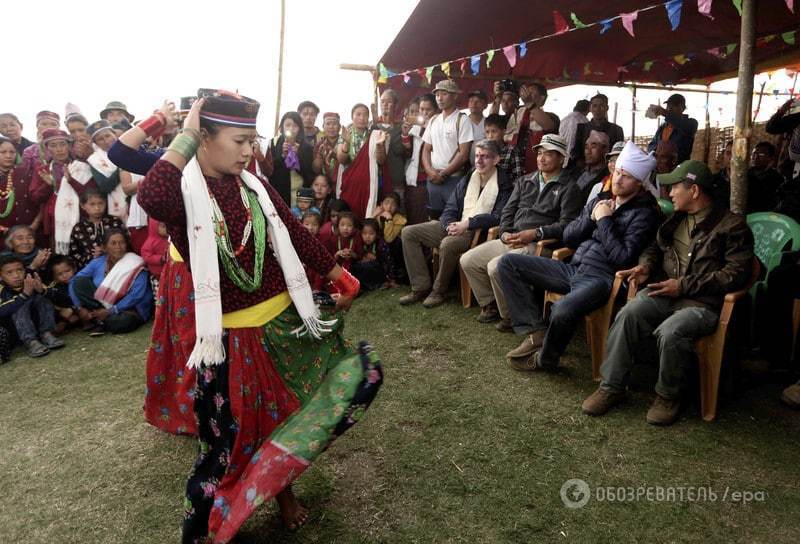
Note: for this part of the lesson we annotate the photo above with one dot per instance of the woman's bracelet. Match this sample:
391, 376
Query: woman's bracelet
347, 284
185, 145
154, 125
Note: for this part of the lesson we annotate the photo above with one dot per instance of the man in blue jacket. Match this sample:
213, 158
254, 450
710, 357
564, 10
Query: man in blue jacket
475, 204
611, 232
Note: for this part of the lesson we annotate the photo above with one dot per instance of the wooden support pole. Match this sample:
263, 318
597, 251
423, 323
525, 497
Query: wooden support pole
280, 67
633, 113
744, 109
707, 143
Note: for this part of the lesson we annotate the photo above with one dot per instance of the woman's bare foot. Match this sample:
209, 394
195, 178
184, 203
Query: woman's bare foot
294, 514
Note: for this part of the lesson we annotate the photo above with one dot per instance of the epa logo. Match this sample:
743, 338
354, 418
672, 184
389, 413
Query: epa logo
575, 493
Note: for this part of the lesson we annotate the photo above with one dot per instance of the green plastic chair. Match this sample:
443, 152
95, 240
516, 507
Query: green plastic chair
774, 234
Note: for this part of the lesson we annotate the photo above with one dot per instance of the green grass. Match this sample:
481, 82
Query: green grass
457, 448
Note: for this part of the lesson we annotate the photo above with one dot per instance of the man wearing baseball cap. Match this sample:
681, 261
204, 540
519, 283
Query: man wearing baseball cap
542, 203
702, 252
678, 127
609, 235
447, 142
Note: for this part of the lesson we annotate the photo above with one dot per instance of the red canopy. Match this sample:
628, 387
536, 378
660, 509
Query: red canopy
699, 50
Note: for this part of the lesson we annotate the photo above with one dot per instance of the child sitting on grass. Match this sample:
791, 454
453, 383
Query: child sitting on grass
392, 221
346, 245
323, 190
155, 250
374, 270
22, 300
305, 202
61, 271
328, 230
312, 222
87, 236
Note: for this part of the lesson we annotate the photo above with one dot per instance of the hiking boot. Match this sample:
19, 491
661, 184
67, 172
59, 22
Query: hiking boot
36, 348
504, 325
663, 411
51, 342
601, 401
413, 297
791, 396
531, 363
531, 343
433, 300
488, 314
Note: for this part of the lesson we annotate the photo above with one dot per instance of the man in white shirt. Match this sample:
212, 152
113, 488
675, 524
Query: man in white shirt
447, 142
569, 124
476, 103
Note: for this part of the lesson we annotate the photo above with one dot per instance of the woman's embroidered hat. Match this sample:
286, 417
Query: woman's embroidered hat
226, 108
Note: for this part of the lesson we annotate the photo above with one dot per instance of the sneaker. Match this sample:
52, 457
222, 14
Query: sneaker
504, 325
663, 411
51, 342
433, 300
36, 348
531, 363
601, 401
488, 314
791, 396
528, 346
413, 297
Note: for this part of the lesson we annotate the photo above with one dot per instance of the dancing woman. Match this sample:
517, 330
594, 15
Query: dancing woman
276, 382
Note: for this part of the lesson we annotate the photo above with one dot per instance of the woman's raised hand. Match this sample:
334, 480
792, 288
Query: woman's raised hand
170, 114
193, 119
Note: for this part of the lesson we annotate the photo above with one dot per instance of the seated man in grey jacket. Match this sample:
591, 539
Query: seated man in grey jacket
475, 204
540, 206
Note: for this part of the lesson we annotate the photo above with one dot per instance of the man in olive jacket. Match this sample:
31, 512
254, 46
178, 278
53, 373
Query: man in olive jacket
700, 254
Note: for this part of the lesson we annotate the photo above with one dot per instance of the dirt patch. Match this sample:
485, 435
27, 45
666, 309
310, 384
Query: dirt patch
358, 484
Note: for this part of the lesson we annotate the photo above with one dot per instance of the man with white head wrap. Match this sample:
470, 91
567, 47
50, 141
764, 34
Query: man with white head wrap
700, 253
608, 236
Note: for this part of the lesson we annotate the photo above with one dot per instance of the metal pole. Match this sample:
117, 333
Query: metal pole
744, 109
280, 67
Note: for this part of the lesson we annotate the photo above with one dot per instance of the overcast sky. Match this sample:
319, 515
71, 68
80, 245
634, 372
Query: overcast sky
140, 52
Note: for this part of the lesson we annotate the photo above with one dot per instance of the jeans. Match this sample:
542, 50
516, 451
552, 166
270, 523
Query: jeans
122, 322
655, 328
584, 291
439, 194
35, 317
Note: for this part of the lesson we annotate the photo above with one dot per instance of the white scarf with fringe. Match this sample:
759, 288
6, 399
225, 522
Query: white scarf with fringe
119, 280
204, 260
68, 209
477, 201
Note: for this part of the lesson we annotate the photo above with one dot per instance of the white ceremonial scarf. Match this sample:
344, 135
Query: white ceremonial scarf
137, 217
204, 260
117, 199
412, 167
68, 208
477, 202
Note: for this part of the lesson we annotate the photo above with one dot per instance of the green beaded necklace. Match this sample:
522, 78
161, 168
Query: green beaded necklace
8, 195
227, 255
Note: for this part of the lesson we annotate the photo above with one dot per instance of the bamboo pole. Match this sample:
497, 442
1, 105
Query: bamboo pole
633, 113
280, 67
707, 143
744, 109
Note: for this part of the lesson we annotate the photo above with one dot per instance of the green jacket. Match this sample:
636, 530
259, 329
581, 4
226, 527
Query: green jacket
720, 257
